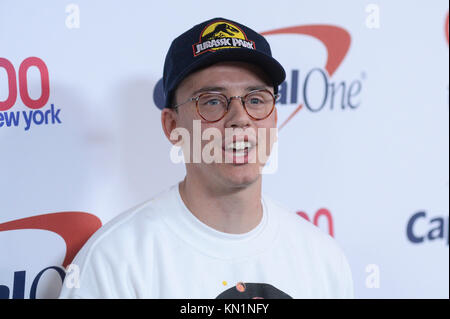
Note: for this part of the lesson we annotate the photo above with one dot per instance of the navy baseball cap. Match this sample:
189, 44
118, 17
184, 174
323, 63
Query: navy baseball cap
213, 41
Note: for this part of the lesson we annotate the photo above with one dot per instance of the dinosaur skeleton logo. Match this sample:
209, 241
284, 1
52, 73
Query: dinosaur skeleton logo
221, 35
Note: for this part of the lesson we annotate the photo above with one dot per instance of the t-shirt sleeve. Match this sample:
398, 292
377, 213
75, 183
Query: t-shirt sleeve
94, 274
85, 278
347, 291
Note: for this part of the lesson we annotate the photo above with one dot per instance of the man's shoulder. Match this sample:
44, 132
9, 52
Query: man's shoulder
139, 223
290, 217
300, 230
118, 245
314, 247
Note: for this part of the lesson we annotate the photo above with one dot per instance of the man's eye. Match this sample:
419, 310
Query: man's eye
213, 102
256, 101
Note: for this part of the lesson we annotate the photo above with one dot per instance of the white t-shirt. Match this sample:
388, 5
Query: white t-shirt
161, 250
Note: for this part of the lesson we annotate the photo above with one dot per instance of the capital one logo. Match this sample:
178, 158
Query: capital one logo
17, 89
303, 84
300, 84
422, 228
74, 228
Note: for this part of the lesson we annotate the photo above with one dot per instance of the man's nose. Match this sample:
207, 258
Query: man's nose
237, 115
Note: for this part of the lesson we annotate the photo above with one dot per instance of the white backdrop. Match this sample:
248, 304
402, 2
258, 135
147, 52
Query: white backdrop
370, 145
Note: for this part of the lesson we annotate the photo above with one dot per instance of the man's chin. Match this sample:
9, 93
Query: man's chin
241, 175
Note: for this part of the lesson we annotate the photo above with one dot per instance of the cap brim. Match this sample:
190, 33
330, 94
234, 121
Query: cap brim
268, 64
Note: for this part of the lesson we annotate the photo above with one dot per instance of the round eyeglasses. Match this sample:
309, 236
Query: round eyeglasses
213, 106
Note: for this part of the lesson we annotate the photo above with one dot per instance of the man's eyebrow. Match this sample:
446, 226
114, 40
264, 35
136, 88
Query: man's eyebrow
209, 89
221, 89
257, 87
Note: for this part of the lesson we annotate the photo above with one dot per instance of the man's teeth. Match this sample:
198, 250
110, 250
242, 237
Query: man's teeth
239, 146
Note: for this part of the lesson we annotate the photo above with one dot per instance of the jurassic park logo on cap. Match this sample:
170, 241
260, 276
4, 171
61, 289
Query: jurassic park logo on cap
221, 35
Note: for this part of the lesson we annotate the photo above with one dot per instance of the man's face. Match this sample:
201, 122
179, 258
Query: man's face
236, 169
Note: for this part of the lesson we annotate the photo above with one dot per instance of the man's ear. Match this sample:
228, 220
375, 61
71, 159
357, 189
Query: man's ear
276, 123
276, 117
169, 122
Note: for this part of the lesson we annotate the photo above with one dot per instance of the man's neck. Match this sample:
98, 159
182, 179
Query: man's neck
234, 211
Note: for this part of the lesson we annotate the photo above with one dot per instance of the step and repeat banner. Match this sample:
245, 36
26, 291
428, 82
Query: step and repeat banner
363, 150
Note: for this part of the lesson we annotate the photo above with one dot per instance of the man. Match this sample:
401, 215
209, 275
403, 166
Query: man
214, 235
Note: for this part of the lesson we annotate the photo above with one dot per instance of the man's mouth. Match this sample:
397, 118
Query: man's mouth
240, 152
239, 148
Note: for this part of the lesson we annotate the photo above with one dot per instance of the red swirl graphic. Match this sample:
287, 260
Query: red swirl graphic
74, 227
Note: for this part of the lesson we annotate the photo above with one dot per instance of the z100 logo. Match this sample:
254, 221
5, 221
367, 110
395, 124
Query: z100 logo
321, 212
34, 116
75, 228
18, 289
